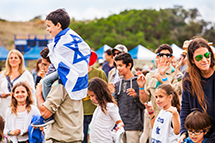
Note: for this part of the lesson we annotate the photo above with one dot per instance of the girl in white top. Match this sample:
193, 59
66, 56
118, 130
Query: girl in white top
20, 113
14, 72
166, 127
106, 115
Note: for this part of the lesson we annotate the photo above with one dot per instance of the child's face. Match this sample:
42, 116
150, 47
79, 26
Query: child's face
20, 94
162, 99
92, 97
196, 136
121, 67
53, 29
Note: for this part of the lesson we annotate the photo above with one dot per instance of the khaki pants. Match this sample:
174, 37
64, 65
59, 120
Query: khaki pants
131, 137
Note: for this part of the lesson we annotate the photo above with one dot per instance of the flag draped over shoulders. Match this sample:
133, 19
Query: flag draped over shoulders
70, 55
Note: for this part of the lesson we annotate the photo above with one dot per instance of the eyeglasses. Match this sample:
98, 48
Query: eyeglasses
116, 53
162, 54
190, 132
206, 55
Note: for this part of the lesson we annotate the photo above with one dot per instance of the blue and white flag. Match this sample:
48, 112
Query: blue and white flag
70, 55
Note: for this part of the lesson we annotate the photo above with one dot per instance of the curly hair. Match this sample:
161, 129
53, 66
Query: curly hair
29, 99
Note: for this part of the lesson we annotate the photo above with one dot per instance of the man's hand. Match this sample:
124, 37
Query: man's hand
131, 92
163, 65
111, 87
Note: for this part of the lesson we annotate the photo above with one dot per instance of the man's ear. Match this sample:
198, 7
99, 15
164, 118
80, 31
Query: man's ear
129, 65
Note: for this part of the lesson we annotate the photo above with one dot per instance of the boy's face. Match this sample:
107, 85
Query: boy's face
53, 29
121, 67
196, 136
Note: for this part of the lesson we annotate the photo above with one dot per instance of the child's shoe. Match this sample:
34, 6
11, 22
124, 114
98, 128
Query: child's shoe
41, 122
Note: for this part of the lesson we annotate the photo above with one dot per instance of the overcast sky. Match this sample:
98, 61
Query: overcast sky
24, 10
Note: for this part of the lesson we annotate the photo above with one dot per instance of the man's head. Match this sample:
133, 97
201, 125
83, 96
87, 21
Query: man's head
118, 49
124, 63
45, 59
108, 55
57, 21
164, 50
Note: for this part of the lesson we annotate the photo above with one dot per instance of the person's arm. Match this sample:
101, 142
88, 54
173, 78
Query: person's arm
141, 83
150, 110
45, 113
175, 120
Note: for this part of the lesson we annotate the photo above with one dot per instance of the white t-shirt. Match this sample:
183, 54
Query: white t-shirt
162, 131
102, 124
19, 124
5, 102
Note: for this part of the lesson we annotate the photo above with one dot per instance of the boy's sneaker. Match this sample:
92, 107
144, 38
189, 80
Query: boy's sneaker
41, 122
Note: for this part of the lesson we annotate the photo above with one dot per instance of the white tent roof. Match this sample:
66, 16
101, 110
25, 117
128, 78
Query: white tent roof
142, 53
177, 51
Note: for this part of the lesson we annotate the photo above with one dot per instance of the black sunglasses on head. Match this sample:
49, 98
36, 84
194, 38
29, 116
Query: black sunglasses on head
162, 54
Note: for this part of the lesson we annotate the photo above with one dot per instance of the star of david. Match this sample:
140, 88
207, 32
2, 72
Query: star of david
78, 56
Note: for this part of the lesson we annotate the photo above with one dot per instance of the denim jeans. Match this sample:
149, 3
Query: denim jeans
87, 120
47, 83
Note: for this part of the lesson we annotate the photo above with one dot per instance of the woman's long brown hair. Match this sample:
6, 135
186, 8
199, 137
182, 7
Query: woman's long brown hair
29, 99
103, 95
194, 74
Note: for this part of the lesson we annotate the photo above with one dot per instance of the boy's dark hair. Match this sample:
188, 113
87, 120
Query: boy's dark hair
44, 54
103, 95
197, 120
164, 47
126, 59
109, 52
61, 16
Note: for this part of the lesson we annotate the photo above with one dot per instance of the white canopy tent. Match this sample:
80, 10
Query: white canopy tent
177, 51
142, 53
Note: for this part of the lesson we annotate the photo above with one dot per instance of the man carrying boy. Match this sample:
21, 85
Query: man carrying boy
70, 56
129, 97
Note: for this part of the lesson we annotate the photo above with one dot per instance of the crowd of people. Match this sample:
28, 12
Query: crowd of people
67, 99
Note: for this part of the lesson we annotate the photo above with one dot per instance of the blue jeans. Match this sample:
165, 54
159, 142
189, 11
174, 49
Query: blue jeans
87, 120
47, 83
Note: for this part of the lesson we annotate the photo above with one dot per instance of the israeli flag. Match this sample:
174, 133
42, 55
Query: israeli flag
70, 55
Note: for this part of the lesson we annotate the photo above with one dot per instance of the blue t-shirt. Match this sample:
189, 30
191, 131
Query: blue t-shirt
188, 140
106, 68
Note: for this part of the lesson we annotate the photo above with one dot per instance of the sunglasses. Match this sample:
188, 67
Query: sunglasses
206, 55
162, 54
190, 132
116, 53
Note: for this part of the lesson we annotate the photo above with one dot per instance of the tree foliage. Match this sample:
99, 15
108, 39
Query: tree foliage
148, 27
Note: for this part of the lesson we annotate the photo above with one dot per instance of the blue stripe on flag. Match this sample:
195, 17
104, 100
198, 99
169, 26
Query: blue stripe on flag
63, 71
81, 83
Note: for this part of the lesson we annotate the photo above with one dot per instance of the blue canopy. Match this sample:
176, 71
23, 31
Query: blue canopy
33, 53
142, 53
3, 53
100, 52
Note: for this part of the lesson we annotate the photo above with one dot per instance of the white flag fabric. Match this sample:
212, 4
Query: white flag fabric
70, 55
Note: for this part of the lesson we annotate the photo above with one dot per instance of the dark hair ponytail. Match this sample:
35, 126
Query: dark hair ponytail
175, 97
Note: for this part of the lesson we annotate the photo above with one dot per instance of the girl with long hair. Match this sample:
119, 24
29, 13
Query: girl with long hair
20, 113
198, 85
106, 114
166, 126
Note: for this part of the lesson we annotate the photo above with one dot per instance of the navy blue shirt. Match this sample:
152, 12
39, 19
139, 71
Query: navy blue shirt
190, 101
106, 68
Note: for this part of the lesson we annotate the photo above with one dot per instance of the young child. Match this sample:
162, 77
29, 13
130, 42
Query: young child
197, 124
106, 114
166, 127
20, 113
3, 138
69, 54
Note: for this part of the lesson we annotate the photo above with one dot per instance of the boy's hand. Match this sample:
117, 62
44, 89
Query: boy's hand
181, 139
111, 87
141, 81
15, 132
131, 92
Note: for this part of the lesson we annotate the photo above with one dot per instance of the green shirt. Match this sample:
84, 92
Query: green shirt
89, 107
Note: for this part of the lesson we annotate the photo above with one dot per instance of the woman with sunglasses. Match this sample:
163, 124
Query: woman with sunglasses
198, 85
